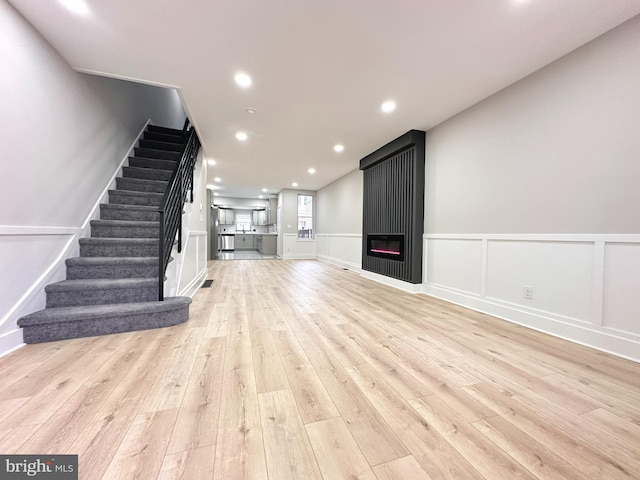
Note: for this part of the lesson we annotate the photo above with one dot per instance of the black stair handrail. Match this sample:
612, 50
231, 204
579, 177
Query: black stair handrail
170, 210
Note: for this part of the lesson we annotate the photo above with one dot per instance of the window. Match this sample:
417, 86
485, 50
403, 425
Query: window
243, 222
305, 216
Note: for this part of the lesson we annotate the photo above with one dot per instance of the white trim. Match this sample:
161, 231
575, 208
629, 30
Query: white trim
541, 237
357, 235
191, 289
392, 282
583, 334
340, 263
597, 284
11, 341
26, 230
100, 73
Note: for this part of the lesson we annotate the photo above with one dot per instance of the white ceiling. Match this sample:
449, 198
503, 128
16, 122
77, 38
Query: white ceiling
320, 69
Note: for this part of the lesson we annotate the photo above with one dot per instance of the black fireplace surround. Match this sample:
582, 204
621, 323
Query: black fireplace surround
393, 208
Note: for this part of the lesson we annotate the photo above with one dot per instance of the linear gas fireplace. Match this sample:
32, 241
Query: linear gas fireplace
386, 246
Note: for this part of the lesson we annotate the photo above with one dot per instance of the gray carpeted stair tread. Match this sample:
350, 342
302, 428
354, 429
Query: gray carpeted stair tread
156, 154
160, 145
147, 173
111, 267
100, 283
61, 323
114, 211
82, 312
163, 137
141, 185
128, 197
152, 163
119, 247
164, 130
124, 229
100, 291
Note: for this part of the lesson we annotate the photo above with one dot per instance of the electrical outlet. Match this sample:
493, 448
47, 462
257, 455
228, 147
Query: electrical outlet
527, 292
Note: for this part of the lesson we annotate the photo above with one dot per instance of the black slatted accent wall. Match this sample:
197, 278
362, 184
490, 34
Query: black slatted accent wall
394, 204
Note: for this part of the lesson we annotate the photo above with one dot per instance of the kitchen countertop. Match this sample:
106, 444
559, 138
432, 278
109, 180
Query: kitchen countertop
247, 233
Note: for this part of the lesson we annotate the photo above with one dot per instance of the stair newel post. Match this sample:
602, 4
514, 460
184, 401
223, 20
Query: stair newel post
161, 257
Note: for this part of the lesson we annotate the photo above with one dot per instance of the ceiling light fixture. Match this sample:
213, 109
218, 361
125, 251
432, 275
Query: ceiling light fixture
294, 184
251, 111
388, 106
338, 148
243, 80
260, 196
215, 194
211, 162
76, 6
241, 136
217, 179
311, 171
264, 190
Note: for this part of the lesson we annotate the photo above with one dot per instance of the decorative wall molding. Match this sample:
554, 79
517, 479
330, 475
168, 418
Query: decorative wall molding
581, 284
341, 249
195, 250
293, 248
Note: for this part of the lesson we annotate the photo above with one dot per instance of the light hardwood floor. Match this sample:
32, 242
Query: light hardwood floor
302, 370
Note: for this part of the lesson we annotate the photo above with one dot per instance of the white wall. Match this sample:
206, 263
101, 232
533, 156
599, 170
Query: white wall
339, 223
64, 136
538, 186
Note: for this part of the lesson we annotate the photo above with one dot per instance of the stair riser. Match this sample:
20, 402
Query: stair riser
157, 154
88, 250
122, 198
102, 231
146, 173
104, 326
156, 145
140, 185
78, 272
132, 215
101, 297
169, 165
163, 130
162, 137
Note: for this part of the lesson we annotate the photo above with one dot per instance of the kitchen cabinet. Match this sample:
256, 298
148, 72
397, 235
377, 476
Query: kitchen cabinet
267, 244
226, 216
245, 241
259, 217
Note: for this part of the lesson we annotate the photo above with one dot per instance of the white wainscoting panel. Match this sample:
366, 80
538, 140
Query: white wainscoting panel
342, 249
584, 287
622, 287
558, 274
194, 263
456, 263
292, 247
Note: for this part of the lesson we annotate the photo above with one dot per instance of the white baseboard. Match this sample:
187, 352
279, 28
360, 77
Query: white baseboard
298, 256
340, 263
11, 341
573, 331
393, 282
193, 286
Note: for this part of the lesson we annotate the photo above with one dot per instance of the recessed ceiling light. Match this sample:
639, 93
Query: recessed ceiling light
215, 194
211, 162
243, 80
241, 136
388, 106
251, 111
76, 6
264, 190
338, 148
217, 179
294, 184
311, 171
260, 196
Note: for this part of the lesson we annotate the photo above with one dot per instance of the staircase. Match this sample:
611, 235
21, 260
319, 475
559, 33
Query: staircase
113, 286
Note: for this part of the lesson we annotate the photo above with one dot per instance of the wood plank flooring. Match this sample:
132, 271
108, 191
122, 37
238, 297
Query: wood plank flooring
301, 370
